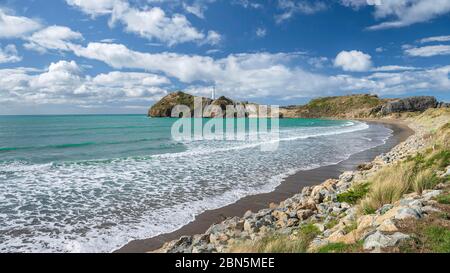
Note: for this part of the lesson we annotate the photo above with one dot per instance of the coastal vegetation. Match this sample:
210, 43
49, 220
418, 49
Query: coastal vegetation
415, 174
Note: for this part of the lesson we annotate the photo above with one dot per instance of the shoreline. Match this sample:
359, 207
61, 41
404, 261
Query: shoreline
289, 187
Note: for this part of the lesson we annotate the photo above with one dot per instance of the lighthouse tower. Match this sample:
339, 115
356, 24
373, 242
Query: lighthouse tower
213, 93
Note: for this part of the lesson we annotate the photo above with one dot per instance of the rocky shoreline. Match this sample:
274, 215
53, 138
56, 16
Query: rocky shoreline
333, 220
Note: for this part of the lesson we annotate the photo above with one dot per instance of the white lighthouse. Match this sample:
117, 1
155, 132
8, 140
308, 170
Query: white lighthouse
213, 93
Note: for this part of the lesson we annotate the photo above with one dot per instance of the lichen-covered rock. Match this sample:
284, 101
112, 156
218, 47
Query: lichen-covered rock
379, 240
408, 213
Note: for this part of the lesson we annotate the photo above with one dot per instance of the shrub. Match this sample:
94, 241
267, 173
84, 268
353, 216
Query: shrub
354, 194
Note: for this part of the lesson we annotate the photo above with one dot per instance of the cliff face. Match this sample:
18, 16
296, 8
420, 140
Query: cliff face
412, 104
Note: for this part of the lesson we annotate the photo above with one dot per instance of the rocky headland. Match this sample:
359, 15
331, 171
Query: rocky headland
351, 106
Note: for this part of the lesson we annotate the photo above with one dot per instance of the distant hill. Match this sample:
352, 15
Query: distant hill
351, 106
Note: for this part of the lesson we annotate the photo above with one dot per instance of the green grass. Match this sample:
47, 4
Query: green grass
331, 224
350, 228
444, 199
340, 248
438, 239
354, 194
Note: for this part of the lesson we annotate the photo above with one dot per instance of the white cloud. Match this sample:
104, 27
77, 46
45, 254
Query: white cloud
292, 7
394, 68
379, 49
151, 23
428, 51
53, 37
213, 38
16, 26
353, 61
356, 4
9, 54
197, 7
248, 4
94, 8
261, 32
318, 62
408, 12
64, 83
258, 75
445, 38
241, 76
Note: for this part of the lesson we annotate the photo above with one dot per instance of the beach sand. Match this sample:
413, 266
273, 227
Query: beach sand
289, 187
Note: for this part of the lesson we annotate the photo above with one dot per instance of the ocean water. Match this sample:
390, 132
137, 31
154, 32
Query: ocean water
94, 183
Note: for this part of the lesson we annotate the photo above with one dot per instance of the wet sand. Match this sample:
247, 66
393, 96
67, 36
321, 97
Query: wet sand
289, 187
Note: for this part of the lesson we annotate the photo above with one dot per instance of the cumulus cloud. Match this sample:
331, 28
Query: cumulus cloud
64, 82
12, 26
257, 75
53, 37
9, 54
291, 7
151, 22
428, 51
408, 12
354, 60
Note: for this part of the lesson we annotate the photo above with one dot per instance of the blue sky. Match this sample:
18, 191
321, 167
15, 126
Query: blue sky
120, 56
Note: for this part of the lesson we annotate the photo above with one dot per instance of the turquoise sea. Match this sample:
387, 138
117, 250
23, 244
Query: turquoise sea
94, 183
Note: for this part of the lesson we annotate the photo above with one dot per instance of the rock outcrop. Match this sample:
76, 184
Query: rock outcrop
163, 108
412, 104
210, 108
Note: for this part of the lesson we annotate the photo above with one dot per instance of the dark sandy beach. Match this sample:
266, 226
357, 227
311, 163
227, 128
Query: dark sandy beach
289, 187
